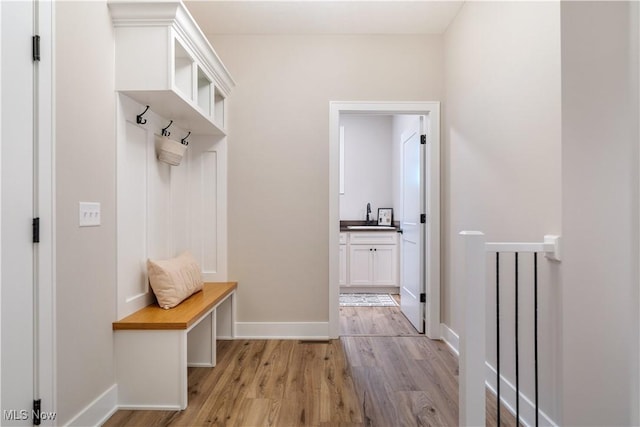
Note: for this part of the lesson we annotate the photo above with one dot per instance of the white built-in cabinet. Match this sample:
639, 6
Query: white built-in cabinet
169, 81
343, 259
163, 59
371, 259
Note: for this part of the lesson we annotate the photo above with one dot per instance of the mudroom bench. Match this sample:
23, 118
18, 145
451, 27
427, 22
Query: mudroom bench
154, 347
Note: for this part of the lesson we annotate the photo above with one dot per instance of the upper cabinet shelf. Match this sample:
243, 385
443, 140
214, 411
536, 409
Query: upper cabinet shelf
164, 60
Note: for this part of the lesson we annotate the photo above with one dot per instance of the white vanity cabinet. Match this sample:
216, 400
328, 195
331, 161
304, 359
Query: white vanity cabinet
163, 59
373, 259
343, 259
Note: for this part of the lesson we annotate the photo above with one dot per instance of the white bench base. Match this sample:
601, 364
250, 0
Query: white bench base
151, 365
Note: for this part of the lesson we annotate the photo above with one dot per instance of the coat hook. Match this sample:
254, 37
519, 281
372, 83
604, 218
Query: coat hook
184, 140
165, 132
139, 118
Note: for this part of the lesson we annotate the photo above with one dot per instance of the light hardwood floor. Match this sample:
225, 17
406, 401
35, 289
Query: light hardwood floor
264, 383
403, 378
383, 321
380, 373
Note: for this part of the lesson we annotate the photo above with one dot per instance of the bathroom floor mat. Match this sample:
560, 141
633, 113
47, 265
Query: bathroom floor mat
367, 300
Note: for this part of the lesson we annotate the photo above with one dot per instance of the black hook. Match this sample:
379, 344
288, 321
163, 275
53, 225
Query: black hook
139, 119
165, 132
184, 140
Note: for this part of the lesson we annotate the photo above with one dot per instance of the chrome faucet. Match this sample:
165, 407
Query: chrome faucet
368, 212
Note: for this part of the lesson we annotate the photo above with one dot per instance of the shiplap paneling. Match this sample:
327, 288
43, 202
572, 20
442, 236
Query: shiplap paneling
209, 187
180, 208
133, 288
164, 210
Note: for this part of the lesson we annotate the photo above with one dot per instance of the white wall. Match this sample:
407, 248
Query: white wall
501, 162
85, 171
600, 213
368, 165
279, 153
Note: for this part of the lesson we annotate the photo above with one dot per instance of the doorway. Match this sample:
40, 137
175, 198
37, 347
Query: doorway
430, 260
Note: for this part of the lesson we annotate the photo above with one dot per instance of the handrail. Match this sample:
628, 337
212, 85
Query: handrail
550, 246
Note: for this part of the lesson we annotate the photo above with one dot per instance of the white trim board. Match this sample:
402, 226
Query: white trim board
432, 230
99, 411
43, 134
507, 390
282, 330
636, 413
508, 399
46, 211
450, 338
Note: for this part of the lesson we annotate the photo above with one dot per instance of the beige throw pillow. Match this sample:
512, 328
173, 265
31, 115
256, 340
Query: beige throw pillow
174, 280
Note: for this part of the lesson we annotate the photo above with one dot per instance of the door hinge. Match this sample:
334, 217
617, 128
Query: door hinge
423, 297
423, 218
36, 412
423, 139
35, 47
36, 230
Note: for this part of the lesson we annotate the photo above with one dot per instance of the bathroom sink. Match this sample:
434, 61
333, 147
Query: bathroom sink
370, 227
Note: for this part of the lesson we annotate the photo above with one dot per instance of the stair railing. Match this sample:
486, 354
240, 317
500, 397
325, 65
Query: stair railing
472, 398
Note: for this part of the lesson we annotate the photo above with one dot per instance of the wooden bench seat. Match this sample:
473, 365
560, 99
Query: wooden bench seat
154, 347
181, 316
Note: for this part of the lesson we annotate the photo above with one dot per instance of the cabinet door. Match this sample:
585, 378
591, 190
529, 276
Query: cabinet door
343, 265
385, 265
360, 268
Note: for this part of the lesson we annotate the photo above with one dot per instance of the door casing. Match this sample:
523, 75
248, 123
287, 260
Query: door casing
43, 202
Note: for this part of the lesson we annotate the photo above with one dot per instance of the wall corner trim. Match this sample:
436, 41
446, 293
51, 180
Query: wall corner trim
99, 411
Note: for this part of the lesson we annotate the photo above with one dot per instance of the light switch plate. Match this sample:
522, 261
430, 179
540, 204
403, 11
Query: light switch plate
89, 214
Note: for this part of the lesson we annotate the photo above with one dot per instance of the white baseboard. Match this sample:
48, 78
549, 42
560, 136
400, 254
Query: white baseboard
98, 411
508, 399
149, 408
507, 390
450, 338
282, 330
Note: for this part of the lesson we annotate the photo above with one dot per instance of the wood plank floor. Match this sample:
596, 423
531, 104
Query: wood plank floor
264, 383
382, 374
384, 321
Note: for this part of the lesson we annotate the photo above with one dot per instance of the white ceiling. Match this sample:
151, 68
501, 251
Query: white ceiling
323, 17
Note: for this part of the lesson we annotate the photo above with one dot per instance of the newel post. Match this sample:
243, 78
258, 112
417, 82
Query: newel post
472, 398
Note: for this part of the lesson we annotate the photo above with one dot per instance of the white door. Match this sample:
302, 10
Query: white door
17, 203
412, 232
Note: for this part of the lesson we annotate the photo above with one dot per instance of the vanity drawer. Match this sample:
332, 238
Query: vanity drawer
375, 238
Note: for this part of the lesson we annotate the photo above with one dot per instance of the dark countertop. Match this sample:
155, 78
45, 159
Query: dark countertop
344, 224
